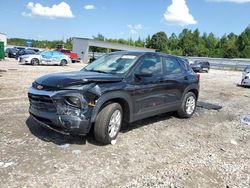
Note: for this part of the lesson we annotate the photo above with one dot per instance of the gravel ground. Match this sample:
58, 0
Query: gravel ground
209, 150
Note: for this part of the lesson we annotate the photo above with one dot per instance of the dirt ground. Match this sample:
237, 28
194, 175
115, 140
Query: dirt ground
212, 149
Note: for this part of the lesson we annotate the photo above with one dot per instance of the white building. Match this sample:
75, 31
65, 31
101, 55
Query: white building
3, 38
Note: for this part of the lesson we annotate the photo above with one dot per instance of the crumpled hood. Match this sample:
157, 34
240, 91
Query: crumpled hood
60, 80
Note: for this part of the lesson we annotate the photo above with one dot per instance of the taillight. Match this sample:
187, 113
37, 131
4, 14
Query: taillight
198, 76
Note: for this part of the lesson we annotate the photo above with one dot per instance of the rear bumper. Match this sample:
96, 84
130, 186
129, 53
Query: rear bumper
75, 60
197, 69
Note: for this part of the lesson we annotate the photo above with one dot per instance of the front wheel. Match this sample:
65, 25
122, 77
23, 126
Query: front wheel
188, 105
34, 61
108, 123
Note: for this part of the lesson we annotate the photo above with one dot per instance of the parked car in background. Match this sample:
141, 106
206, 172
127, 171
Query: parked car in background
116, 88
19, 48
200, 66
73, 56
246, 77
45, 58
34, 49
24, 52
11, 52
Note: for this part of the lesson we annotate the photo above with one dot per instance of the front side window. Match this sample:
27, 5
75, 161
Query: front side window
113, 64
57, 54
150, 65
172, 66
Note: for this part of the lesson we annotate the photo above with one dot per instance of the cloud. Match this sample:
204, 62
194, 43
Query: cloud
61, 10
89, 7
178, 14
134, 29
230, 1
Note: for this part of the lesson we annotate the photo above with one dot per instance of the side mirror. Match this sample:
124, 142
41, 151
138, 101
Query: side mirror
143, 74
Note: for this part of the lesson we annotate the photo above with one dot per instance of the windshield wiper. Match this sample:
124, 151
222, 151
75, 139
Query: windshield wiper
99, 71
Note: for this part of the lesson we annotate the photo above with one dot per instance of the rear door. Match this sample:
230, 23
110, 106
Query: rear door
174, 80
56, 57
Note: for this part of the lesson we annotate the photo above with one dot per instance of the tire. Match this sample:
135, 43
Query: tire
242, 83
104, 130
34, 61
186, 111
63, 62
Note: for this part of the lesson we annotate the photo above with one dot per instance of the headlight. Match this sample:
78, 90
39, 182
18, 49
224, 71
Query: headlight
73, 101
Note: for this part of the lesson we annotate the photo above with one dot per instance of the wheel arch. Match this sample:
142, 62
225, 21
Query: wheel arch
115, 97
192, 88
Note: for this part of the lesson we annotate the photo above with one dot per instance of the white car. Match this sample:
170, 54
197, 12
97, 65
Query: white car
45, 58
246, 77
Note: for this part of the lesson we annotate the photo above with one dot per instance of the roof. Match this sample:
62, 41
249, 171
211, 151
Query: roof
3, 33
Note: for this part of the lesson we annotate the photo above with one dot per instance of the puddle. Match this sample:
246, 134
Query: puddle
208, 106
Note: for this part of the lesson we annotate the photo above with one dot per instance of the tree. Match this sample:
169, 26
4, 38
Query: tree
187, 43
139, 42
243, 43
173, 42
159, 41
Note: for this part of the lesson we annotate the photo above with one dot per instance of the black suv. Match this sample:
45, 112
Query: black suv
200, 66
116, 88
11, 52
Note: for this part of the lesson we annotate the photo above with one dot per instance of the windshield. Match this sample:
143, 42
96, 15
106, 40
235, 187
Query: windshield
14, 50
247, 69
38, 53
112, 64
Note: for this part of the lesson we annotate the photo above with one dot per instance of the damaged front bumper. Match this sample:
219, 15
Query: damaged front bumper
50, 110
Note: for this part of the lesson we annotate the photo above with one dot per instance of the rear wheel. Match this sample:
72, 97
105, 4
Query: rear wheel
108, 123
188, 106
34, 61
63, 62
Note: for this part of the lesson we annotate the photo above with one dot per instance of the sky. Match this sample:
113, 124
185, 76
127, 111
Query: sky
61, 19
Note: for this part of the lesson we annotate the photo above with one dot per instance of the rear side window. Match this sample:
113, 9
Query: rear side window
185, 64
172, 66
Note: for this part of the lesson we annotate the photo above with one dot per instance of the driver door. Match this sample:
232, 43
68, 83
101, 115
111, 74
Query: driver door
148, 91
46, 57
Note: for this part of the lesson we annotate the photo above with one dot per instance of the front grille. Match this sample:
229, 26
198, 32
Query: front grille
45, 88
41, 103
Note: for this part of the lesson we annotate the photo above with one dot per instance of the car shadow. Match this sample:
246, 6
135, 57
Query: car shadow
48, 135
148, 121
242, 86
